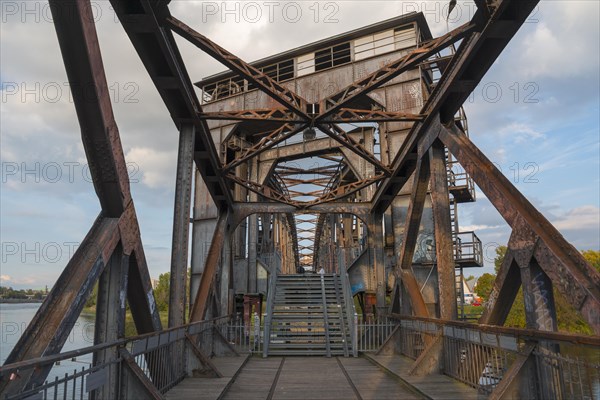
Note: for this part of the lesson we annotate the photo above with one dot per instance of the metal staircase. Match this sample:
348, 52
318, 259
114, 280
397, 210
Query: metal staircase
309, 316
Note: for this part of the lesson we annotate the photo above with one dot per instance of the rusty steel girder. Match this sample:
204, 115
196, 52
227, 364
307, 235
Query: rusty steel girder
278, 92
160, 55
342, 137
385, 74
272, 139
351, 115
343, 116
266, 114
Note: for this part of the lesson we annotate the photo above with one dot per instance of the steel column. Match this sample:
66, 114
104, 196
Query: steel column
203, 229
443, 232
110, 318
252, 233
409, 241
226, 273
207, 279
375, 239
181, 226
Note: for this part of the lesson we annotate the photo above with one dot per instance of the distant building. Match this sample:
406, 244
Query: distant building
467, 287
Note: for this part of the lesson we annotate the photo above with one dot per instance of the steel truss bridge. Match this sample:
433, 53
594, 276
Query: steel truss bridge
288, 176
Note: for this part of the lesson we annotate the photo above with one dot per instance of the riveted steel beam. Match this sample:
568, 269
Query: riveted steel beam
211, 264
278, 92
391, 70
350, 115
342, 137
50, 327
266, 114
444, 248
160, 55
411, 232
279, 135
181, 226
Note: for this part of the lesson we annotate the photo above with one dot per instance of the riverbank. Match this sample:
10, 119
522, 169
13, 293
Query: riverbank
130, 329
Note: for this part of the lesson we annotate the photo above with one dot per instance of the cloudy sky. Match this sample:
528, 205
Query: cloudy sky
536, 114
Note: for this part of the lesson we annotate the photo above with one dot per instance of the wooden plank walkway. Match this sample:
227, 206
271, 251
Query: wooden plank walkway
369, 377
208, 388
312, 378
439, 387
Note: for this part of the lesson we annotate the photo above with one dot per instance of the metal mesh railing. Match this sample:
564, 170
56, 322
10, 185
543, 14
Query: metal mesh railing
163, 357
480, 356
372, 333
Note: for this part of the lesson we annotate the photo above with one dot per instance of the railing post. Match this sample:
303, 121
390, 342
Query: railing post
325, 318
350, 310
268, 316
256, 341
355, 335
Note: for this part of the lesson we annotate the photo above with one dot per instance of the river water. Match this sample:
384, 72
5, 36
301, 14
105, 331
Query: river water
14, 318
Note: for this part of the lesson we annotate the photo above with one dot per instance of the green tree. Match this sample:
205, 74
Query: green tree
500, 254
593, 257
161, 292
483, 288
568, 319
93, 298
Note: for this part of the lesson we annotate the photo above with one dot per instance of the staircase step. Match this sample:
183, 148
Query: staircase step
298, 316
275, 345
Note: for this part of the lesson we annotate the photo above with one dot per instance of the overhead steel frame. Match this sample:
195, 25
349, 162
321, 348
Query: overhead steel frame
538, 256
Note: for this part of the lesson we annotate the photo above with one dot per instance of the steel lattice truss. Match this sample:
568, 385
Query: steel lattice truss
112, 251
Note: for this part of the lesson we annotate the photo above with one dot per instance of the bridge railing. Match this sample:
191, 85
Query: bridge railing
156, 360
558, 365
372, 332
245, 338
269, 315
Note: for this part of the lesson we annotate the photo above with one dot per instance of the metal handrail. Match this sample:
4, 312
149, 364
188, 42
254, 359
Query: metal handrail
520, 333
482, 356
325, 317
350, 310
336, 282
152, 354
269, 314
51, 359
467, 246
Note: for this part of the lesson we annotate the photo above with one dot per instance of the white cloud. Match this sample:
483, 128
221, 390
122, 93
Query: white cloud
475, 228
580, 218
157, 168
4, 278
520, 132
555, 48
